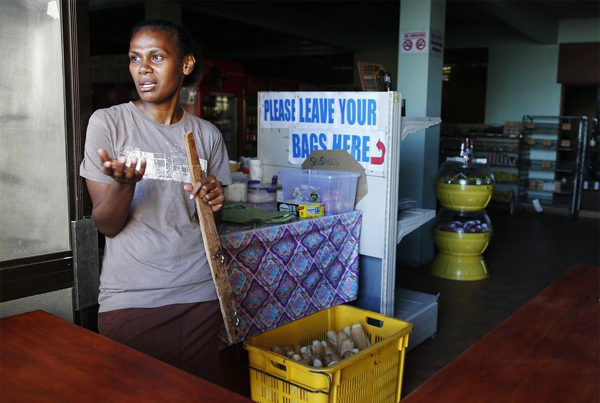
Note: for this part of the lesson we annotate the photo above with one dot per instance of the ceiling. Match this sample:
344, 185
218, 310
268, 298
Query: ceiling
315, 41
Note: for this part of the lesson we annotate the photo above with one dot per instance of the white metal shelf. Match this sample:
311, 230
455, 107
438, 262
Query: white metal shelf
413, 125
411, 219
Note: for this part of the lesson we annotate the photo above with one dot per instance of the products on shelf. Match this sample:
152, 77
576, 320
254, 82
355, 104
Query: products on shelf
541, 143
498, 158
555, 168
513, 129
502, 176
542, 164
545, 185
504, 196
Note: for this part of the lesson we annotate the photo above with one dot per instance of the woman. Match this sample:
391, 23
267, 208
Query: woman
156, 289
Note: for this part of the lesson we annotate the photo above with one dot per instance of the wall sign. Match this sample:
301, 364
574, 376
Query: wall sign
353, 121
422, 42
437, 43
414, 42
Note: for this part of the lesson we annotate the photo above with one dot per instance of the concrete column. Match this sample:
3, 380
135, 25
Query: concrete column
166, 10
420, 82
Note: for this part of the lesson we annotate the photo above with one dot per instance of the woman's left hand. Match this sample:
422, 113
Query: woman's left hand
209, 190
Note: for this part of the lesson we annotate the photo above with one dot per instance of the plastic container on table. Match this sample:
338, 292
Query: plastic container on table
238, 190
335, 189
262, 192
374, 373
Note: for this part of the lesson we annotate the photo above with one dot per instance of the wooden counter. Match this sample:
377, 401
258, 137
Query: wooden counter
45, 358
547, 351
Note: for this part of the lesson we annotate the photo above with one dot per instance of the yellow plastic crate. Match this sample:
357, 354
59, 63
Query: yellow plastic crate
372, 375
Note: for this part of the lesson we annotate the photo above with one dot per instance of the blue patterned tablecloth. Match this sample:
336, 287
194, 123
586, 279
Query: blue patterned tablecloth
284, 272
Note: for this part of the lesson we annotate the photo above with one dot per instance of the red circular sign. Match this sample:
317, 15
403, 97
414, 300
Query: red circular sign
421, 44
407, 45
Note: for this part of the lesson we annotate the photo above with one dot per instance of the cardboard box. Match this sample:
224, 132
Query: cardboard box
302, 209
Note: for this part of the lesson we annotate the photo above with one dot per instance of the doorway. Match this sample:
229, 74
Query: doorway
584, 100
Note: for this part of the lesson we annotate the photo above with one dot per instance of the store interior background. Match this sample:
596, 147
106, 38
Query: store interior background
508, 59
502, 59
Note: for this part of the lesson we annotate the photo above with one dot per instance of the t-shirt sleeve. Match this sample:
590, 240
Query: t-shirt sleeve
218, 164
97, 136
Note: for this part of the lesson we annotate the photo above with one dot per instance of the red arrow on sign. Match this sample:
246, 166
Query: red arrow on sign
379, 160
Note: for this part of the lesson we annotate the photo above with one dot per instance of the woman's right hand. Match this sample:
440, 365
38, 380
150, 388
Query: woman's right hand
119, 171
111, 202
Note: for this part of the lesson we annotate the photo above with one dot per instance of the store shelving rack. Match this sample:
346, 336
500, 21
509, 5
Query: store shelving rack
250, 105
557, 149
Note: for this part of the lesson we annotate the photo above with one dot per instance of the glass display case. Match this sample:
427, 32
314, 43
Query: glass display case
457, 172
464, 186
222, 111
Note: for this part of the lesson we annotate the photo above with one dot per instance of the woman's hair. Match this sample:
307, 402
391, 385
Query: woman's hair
183, 40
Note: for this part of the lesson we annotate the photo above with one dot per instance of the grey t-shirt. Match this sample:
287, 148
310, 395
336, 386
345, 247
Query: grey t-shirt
158, 258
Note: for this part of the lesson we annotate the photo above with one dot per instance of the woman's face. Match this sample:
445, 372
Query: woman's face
155, 65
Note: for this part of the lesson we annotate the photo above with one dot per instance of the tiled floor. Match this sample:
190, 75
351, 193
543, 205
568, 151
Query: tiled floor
528, 251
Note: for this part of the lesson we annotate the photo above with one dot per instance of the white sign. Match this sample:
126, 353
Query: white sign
366, 147
422, 42
437, 43
414, 42
351, 121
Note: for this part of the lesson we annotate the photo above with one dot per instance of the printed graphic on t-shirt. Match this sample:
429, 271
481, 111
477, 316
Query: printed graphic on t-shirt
161, 166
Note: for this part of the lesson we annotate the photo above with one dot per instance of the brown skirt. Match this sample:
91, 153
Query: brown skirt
182, 335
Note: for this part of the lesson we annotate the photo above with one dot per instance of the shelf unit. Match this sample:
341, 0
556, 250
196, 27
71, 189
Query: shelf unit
502, 147
590, 195
250, 125
221, 109
557, 145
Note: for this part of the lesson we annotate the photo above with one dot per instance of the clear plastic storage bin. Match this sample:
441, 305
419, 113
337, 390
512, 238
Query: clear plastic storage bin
238, 190
335, 189
262, 192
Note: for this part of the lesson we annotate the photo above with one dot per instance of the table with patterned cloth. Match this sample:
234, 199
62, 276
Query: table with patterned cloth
281, 273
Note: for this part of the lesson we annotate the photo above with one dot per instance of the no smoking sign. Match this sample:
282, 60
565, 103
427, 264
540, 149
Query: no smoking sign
421, 42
